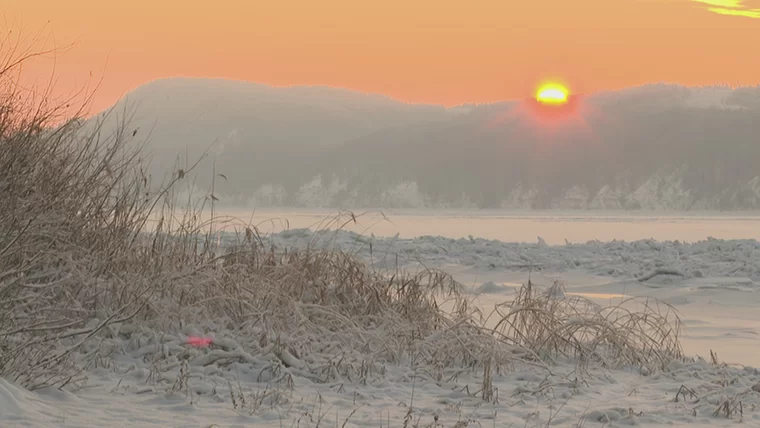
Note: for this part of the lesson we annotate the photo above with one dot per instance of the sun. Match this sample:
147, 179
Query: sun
552, 94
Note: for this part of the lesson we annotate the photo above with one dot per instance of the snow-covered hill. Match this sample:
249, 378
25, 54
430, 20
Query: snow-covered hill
654, 147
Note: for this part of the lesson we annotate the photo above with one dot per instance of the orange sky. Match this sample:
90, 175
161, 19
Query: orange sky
438, 51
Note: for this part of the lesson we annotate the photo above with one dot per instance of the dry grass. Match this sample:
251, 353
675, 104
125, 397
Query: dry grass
635, 332
72, 205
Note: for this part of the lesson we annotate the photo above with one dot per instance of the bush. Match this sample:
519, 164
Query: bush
636, 332
72, 204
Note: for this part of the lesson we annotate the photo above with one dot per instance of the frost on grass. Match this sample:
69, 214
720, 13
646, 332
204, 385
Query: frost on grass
636, 332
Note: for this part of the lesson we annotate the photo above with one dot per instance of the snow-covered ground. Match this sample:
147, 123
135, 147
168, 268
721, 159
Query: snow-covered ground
738, 259
713, 284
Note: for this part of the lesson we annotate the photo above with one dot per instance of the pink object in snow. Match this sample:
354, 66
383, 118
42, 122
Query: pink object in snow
200, 342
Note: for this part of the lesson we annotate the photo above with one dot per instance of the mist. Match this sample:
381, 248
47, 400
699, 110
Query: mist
655, 147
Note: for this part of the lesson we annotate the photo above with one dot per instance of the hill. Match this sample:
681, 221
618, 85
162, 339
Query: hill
655, 147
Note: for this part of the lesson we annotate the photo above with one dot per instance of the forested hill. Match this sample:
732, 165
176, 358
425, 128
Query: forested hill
662, 147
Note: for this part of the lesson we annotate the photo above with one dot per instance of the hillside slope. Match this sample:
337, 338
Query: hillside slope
656, 147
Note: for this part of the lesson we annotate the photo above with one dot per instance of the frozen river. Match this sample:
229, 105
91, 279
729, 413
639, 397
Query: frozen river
553, 227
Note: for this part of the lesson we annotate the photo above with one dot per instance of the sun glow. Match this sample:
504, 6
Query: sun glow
552, 93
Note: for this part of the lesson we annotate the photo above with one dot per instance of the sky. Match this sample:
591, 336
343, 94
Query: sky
447, 52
